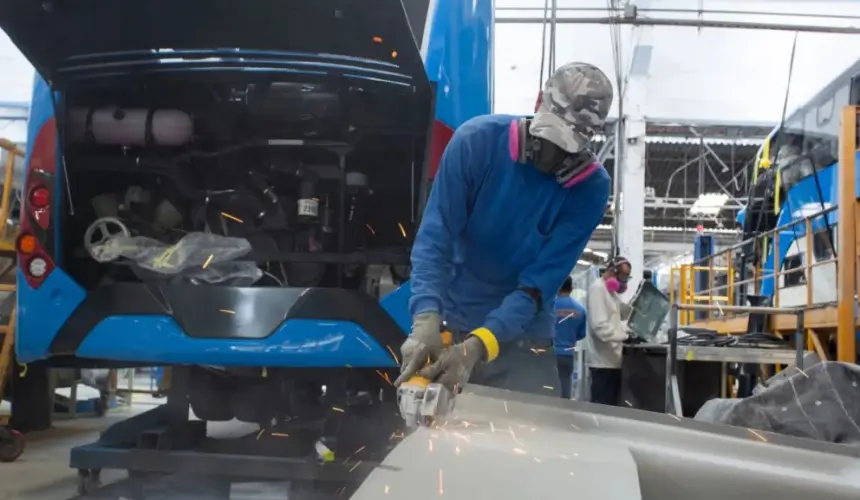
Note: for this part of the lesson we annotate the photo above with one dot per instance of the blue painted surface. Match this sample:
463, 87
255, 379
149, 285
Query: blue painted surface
459, 58
801, 200
42, 312
297, 343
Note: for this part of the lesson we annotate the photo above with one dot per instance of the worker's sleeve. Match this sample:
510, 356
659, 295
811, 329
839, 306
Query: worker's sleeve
597, 304
541, 280
581, 327
444, 220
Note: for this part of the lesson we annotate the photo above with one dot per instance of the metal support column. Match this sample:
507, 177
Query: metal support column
631, 164
846, 343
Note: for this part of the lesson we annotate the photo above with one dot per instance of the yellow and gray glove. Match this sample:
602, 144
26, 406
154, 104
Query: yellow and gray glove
425, 342
455, 365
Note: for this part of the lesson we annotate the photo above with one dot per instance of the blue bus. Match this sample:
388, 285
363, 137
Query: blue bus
232, 188
803, 158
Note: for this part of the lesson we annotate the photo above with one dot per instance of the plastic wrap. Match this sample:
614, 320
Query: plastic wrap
821, 402
203, 257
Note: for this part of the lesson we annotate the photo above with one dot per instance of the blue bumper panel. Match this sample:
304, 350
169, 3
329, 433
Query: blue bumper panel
298, 343
184, 324
42, 312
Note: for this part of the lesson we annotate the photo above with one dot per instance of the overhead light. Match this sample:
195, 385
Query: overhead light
601, 255
709, 204
581, 262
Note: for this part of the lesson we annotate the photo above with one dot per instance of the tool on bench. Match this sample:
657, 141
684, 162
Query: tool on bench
421, 400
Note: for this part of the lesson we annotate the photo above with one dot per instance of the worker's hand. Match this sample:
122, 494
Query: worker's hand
425, 342
455, 365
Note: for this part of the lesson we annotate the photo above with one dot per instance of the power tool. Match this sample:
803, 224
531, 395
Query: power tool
421, 400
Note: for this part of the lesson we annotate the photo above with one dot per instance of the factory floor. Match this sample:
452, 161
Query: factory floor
42, 472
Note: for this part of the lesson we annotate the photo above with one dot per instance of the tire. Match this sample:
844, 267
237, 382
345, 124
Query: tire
12, 444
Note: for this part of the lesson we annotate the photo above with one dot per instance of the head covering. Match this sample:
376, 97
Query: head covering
573, 106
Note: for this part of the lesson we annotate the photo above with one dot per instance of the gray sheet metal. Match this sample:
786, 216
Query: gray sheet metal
672, 458
510, 460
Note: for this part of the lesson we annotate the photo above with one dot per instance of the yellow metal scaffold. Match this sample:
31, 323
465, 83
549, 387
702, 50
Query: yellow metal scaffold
11, 442
824, 322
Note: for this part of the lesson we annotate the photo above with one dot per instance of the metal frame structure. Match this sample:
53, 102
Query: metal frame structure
11, 442
819, 319
725, 355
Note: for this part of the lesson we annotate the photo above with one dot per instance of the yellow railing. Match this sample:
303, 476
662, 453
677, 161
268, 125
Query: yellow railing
837, 317
766, 247
7, 233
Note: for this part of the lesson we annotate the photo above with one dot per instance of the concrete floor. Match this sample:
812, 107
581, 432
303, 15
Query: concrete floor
42, 472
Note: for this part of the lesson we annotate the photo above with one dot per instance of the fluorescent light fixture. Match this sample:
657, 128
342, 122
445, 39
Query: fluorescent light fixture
581, 262
709, 204
601, 255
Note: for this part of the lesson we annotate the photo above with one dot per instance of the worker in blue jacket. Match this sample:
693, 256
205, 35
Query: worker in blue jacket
569, 329
511, 209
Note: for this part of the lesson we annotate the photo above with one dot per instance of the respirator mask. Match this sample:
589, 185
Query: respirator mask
568, 168
571, 108
617, 284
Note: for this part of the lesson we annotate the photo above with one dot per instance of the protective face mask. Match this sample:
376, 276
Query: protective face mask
568, 168
613, 285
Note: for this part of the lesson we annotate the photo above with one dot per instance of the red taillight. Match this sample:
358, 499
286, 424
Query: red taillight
40, 206
35, 243
40, 197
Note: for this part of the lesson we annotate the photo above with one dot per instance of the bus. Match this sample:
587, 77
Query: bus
232, 189
798, 164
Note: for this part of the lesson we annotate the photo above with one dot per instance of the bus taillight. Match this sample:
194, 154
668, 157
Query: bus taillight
35, 243
40, 206
34, 262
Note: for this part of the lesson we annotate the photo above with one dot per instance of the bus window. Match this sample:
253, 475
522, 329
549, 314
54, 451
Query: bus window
796, 278
822, 245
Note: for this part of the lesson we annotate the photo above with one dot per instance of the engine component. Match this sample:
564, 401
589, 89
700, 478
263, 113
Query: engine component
166, 215
130, 127
135, 194
356, 179
105, 228
299, 102
308, 209
105, 205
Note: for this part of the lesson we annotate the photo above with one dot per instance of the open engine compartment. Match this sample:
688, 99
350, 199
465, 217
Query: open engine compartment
321, 178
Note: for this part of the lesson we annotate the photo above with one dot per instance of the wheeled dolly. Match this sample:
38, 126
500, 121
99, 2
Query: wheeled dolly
164, 449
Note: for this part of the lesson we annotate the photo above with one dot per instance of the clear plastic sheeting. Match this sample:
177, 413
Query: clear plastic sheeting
821, 402
202, 257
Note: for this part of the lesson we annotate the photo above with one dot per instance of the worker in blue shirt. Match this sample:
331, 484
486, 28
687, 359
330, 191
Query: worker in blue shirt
511, 209
569, 329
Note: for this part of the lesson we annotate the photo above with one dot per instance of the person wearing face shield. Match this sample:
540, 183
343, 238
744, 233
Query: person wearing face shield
606, 314
511, 209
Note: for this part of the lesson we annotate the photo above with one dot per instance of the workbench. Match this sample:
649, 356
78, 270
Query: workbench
644, 373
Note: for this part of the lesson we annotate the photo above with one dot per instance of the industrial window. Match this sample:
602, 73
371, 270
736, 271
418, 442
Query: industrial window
822, 245
796, 278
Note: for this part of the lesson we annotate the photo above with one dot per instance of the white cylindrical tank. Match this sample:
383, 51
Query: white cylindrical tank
130, 127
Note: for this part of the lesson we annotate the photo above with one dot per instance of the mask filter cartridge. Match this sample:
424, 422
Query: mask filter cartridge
613, 285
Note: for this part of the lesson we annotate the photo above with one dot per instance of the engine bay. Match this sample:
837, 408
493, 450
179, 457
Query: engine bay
239, 183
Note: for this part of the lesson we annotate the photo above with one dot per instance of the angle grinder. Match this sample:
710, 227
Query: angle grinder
422, 401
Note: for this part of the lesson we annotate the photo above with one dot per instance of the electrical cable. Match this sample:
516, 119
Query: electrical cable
710, 338
780, 140
541, 78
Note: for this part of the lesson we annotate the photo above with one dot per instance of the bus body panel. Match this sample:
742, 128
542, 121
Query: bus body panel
460, 42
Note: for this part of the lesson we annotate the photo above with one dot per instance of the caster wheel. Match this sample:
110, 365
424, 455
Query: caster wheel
89, 481
12, 445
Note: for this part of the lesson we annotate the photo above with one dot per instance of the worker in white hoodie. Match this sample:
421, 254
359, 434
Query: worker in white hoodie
607, 316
